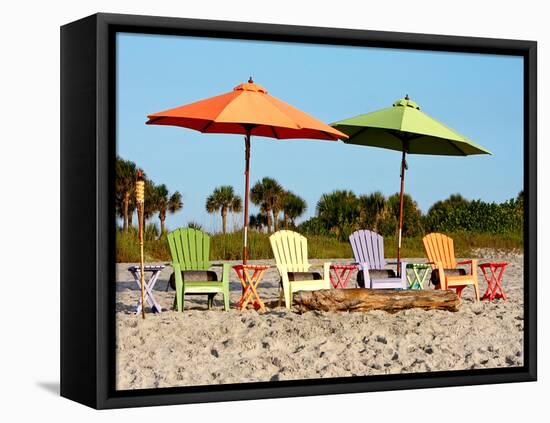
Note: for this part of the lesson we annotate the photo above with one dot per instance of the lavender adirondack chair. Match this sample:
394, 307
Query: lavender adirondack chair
368, 250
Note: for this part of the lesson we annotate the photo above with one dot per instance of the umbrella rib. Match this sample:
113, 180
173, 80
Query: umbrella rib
363, 129
274, 132
208, 125
154, 119
462, 153
413, 136
329, 136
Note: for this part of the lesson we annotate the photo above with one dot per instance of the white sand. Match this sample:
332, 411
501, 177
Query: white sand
198, 347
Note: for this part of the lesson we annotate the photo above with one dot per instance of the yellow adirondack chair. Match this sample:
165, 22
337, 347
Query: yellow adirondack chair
290, 251
446, 275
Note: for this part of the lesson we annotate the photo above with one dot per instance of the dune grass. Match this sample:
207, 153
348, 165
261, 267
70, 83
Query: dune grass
229, 246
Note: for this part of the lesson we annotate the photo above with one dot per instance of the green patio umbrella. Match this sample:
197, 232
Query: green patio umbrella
405, 128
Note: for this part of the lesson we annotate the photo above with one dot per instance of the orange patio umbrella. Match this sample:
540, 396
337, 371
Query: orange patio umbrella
247, 110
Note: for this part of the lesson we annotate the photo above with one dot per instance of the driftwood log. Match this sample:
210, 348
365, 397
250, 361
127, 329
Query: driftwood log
360, 299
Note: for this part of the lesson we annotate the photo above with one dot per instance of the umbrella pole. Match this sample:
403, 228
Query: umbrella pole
403, 167
246, 188
142, 264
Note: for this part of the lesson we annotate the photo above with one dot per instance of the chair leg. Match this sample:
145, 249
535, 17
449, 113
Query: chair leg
210, 301
288, 298
459, 291
180, 295
476, 289
226, 298
281, 294
225, 286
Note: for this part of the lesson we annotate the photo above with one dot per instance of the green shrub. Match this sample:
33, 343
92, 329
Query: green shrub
475, 217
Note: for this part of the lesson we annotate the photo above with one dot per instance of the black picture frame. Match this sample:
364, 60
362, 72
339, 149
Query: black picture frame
87, 209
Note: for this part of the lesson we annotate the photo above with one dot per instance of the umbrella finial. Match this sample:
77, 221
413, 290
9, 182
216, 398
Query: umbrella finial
250, 80
407, 97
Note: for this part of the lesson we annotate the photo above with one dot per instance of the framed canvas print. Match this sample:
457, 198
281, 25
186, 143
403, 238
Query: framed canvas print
257, 211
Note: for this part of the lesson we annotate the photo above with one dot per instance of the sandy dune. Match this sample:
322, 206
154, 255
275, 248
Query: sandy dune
200, 347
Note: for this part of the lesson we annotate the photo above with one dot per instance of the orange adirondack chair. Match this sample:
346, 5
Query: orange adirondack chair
445, 274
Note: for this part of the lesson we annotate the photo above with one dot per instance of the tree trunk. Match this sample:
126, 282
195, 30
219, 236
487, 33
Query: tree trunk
130, 218
360, 299
224, 220
162, 217
275, 220
126, 202
285, 218
268, 214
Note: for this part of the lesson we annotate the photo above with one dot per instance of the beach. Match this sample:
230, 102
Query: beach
204, 347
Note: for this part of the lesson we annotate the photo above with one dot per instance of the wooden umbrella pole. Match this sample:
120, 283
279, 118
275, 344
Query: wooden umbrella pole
142, 264
246, 188
403, 167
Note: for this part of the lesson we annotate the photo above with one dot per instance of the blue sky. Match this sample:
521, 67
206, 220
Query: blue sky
480, 96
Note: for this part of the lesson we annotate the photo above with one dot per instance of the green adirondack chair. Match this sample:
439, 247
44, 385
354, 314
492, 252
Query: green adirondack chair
190, 250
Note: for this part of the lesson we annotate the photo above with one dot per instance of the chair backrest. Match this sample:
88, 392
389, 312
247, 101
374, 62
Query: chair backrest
190, 248
440, 248
290, 250
368, 247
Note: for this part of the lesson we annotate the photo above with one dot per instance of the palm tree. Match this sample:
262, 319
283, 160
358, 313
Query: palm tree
372, 210
151, 205
131, 209
194, 225
164, 203
258, 221
161, 197
338, 212
125, 180
224, 200
267, 194
175, 202
293, 207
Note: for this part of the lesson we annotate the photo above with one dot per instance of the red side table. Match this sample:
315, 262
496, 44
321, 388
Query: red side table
250, 276
340, 274
493, 273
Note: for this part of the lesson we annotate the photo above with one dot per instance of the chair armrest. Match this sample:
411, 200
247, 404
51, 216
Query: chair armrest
400, 263
472, 263
442, 278
361, 266
326, 270
403, 272
226, 268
